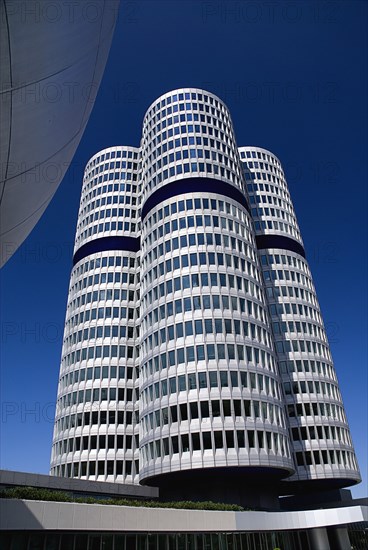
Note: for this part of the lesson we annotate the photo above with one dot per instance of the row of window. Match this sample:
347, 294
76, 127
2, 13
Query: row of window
207, 125
331, 457
96, 395
205, 279
118, 353
274, 213
100, 203
311, 386
212, 302
280, 195
272, 200
199, 239
201, 259
119, 192
211, 238
293, 261
122, 443
307, 366
102, 278
190, 168
107, 213
102, 212
196, 144
199, 327
217, 440
167, 117
173, 385
107, 227
108, 294
105, 312
214, 380
98, 468
298, 327
111, 191
260, 226
278, 182
314, 408
111, 174
78, 282
236, 409
172, 541
118, 259
288, 291
129, 153
156, 113
181, 155
109, 372
302, 346
161, 102
110, 312
262, 166
123, 419
100, 333
113, 165
173, 126
321, 432
222, 135
163, 289
210, 352
261, 156
238, 215
291, 308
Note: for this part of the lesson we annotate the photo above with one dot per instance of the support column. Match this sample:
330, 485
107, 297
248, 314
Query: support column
318, 539
339, 538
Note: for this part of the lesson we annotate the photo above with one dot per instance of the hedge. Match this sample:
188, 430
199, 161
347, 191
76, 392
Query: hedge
34, 493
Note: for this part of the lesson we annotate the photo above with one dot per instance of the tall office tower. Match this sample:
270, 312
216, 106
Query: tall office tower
170, 244
96, 426
322, 446
212, 414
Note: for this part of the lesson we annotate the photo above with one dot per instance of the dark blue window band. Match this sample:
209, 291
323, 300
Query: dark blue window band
130, 244
193, 185
278, 241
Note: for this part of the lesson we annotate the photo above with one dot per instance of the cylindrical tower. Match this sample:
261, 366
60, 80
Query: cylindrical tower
96, 426
321, 441
211, 408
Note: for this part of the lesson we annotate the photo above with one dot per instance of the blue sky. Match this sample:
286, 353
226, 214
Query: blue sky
294, 77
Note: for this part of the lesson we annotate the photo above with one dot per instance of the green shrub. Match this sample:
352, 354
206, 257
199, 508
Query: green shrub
35, 493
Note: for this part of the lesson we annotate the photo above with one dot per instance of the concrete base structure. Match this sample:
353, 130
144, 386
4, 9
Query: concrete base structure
72, 525
155, 527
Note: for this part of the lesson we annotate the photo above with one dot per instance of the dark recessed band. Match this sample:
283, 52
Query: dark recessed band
193, 185
130, 244
278, 241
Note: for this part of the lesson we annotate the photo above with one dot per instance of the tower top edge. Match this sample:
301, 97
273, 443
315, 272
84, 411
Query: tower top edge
258, 149
111, 149
183, 91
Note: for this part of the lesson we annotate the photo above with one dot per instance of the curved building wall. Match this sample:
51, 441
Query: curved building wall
96, 432
53, 56
209, 390
321, 441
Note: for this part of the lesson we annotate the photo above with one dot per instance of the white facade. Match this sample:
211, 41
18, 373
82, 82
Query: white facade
209, 388
320, 435
219, 329
96, 429
53, 55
